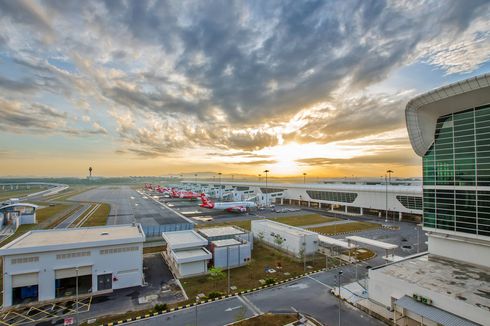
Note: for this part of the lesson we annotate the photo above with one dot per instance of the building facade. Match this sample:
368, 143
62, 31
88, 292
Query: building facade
450, 129
45, 265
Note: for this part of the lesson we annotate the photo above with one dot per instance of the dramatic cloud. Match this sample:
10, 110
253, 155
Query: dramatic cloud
159, 77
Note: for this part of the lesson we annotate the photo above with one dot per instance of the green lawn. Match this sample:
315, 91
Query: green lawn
301, 220
269, 320
347, 227
46, 212
99, 218
242, 224
248, 277
7, 194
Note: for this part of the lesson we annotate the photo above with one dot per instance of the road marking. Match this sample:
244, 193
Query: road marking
256, 311
314, 279
233, 308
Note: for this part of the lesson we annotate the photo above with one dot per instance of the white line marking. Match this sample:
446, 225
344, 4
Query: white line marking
314, 279
256, 311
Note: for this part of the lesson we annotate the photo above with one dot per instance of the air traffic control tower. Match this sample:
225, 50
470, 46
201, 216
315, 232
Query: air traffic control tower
450, 285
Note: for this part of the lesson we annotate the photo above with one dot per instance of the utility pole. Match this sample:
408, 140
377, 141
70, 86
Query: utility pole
266, 190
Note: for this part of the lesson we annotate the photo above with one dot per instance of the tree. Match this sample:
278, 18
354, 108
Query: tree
278, 240
216, 274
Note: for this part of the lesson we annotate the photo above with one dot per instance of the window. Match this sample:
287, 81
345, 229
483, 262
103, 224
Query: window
410, 202
73, 255
117, 250
341, 197
24, 260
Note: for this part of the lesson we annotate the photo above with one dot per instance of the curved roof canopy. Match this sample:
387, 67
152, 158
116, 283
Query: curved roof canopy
19, 205
421, 112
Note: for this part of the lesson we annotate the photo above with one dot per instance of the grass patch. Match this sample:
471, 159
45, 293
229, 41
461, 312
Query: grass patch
347, 227
247, 277
45, 213
308, 219
242, 224
99, 217
269, 320
7, 194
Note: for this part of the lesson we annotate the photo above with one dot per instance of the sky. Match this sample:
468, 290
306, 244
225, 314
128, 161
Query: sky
237, 87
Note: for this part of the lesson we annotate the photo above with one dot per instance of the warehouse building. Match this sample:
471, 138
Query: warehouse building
450, 129
293, 240
44, 265
186, 253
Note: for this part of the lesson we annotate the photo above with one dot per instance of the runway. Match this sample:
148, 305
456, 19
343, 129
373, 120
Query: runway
128, 206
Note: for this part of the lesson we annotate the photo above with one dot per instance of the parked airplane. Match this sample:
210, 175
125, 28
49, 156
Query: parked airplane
184, 194
148, 186
232, 206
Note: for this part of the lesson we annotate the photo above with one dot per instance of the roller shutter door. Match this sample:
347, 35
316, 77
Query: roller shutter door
72, 272
27, 279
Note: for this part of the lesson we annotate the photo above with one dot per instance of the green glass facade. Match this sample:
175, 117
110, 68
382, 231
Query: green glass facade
456, 172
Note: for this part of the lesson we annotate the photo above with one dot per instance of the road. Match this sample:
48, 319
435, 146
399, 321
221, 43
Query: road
128, 206
310, 295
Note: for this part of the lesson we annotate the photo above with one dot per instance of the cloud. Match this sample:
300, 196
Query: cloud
239, 76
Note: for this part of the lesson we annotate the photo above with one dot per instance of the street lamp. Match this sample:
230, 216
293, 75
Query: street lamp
76, 292
220, 192
386, 199
304, 178
388, 181
340, 298
266, 190
260, 179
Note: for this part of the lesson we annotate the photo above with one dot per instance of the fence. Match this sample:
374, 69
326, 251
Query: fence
152, 231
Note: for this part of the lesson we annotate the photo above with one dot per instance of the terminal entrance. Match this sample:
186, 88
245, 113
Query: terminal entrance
25, 288
66, 281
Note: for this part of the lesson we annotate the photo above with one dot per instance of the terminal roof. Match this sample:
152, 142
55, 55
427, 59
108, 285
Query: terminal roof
226, 243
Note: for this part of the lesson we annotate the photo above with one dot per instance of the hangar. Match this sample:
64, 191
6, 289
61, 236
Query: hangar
44, 265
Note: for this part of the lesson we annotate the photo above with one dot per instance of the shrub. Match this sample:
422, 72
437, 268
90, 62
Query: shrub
270, 280
214, 294
160, 307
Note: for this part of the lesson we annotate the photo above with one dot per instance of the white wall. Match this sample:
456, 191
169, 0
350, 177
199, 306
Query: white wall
101, 264
239, 255
193, 268
382, 287
465, 249
293, 242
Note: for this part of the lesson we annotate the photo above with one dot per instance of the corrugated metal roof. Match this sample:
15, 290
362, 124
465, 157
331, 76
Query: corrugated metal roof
432, 313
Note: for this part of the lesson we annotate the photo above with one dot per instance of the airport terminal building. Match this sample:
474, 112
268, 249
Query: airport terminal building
402, 200
450, 285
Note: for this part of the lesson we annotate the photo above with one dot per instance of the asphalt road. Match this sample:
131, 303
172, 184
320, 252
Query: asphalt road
307, 295
127, 206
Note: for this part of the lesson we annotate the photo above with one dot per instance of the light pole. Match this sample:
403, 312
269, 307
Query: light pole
228, 266
195, 178
76, 292
304, 178
340, 299
260, 179
418, 237
220, 190
388, 182
197, 302
386, 198
266, 190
